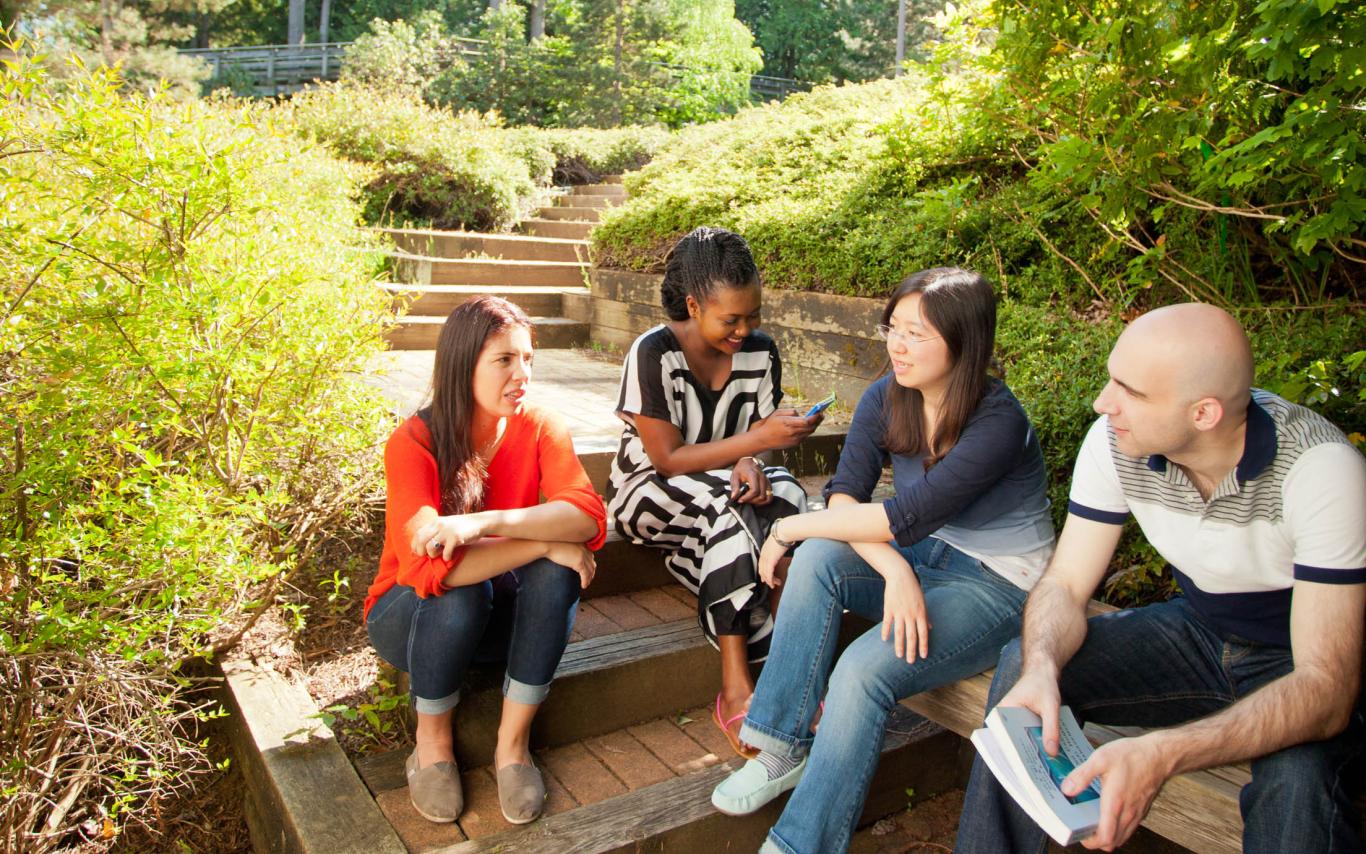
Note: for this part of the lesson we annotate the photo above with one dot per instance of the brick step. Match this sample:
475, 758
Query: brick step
462, 244
616, 678
574, 214
579, 200
440, 300
489, 272
564, 229
420, 332
610, 179
645, 787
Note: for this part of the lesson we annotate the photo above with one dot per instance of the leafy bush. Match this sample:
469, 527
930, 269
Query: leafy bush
186, 297
435, 167
829, 198
432, 166
400, 54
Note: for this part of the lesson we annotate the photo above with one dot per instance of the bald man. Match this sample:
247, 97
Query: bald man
1259, 506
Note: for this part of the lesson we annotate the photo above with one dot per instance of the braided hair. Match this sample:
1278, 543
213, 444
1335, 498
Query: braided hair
707, 258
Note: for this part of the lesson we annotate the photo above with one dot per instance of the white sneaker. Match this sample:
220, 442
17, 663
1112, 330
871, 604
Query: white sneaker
747, 790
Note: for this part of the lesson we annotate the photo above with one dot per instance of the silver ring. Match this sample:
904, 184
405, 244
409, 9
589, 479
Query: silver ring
435, 544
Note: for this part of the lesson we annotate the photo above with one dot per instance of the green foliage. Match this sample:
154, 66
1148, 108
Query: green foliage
598, 64
399, 55
136, 36
455, 170
834, 42
836, 191
432, 166
185, 297
1235, 174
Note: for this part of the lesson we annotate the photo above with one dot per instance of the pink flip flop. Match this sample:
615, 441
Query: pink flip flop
733, 738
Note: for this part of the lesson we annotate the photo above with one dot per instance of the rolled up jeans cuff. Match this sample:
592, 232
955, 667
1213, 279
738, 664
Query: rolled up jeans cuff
423, 706
773, 742
520, 692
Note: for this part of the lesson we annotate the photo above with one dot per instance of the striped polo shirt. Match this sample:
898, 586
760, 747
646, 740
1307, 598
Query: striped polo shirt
1293, 509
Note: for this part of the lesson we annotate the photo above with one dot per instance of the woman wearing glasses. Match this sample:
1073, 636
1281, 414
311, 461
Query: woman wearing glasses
943, 566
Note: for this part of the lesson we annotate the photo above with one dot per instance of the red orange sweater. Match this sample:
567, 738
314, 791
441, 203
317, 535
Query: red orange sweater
536, 457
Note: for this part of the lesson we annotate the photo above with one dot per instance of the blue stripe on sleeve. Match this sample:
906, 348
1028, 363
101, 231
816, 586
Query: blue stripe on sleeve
1105, 516
1323, 575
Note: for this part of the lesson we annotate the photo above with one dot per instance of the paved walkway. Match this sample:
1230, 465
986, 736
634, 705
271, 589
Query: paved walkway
580, 385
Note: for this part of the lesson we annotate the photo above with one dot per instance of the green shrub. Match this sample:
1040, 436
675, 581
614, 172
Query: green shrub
431, 166
836, 191
186, 299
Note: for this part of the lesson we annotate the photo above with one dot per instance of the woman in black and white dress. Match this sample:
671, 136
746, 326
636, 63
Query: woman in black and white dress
699, 397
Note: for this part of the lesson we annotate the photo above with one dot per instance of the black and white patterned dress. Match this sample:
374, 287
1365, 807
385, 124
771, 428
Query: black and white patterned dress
689, 515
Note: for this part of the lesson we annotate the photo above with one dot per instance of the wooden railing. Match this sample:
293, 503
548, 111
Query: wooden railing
280, 69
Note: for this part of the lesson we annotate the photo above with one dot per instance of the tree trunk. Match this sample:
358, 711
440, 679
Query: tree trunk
495, 5
537, 19
296, 22
107, 31
324, 21
900, 37
616, 61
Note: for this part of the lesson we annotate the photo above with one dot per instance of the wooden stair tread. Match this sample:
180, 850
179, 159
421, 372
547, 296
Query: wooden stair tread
649, 781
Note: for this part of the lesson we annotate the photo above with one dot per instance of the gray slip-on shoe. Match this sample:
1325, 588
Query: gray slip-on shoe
521, 793
435, 790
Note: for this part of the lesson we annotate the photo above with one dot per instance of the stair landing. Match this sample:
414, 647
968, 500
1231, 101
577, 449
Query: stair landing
580, 385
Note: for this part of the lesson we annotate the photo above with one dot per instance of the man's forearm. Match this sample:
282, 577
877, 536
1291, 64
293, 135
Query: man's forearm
1053, 628
1308, 704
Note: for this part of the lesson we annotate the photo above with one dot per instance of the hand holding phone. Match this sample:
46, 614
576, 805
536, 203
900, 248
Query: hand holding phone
820, 406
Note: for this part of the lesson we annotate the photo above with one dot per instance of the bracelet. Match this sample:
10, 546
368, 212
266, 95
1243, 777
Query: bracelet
758, 462
773, 532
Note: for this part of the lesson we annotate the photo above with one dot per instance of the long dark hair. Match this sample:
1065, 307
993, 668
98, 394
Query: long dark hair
707, 258
451, 413
961, 306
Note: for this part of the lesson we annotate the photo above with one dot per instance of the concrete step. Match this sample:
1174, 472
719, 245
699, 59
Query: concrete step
424, 270
575, 214
582, 201
463, 244
419, 332
440, 300
613, 190
543, 227
646, 787
611, 179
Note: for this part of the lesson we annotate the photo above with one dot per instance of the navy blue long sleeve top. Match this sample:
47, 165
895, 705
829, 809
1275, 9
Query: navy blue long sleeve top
986, 496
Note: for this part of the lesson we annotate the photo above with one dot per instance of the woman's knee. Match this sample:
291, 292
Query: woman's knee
820, 562
555, 585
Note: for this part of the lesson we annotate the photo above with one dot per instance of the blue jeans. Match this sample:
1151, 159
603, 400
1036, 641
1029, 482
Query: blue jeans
524, 615
1162, 666
972, 611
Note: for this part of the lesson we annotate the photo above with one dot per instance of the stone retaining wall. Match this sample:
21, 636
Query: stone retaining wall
827, 342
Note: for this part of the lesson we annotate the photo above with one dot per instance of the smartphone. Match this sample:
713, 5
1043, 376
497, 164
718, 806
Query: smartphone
820, 406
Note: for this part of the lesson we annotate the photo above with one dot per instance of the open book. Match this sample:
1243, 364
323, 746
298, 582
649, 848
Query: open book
1011, 744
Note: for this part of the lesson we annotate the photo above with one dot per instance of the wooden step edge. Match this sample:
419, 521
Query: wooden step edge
677, 815
513, 263
301, 792
475, 290
481, 235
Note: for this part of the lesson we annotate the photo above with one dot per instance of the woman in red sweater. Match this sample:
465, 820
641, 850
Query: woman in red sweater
472, 563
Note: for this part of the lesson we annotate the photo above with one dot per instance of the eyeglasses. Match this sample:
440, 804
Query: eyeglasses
888, 334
